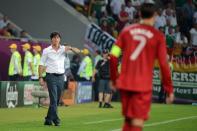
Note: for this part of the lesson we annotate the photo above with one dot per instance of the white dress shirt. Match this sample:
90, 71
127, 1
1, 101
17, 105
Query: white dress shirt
53, 60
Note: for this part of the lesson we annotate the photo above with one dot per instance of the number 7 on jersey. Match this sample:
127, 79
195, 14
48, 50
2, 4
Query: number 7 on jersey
142, 42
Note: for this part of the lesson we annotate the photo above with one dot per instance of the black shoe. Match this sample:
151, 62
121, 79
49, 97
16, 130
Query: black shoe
56, 122
100, 104
105, 105
110, 106
47, 123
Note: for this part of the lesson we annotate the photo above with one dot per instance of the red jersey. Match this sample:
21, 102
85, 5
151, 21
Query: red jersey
140, 46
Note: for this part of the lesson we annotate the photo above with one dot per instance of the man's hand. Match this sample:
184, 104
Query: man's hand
41, 81
93, 79
21, 73
75, 50
170, 98
112, 86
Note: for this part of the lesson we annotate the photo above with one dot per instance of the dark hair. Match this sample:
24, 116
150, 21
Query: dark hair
105, 51
54, 34
98, 52
147, 10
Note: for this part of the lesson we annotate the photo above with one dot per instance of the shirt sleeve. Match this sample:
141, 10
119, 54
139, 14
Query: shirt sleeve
43, 58
164, 66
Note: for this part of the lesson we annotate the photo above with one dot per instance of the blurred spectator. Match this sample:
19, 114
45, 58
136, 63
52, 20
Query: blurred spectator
75, 63
4, 32
3, 21
130, 10
173, 19
15, 68
104, 26
180, 38
193, 34
36, 62
86, 67
102, 68
170, 39
98, 6
27, 63
103, 17
97, 57
23, 34
12, 30
113, 30
95, 83
170, 14
116, 7
181, 41
160, 19
168, 25
137, 3
123, 18
187, 18
168, 10
93, 18
162, 29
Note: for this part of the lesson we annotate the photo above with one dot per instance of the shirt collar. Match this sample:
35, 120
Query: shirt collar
50, 47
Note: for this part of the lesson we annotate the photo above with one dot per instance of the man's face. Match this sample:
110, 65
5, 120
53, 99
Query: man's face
105, 55
11, 50
55, 40
24, 49
34, 50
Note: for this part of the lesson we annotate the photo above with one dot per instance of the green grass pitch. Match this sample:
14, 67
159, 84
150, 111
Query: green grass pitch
88, 117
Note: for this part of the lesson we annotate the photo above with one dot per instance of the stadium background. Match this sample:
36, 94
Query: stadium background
39, 18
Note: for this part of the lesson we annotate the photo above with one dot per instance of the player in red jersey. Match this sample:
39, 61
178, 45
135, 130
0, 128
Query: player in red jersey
140, 44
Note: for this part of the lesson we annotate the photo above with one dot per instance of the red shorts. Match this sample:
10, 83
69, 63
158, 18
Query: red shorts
136, 104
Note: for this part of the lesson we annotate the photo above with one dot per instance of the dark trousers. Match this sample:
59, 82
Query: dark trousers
14, 78
55, 84
27, 78
95, 89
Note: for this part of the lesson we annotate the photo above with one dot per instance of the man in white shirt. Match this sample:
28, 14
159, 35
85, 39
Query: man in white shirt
52, 60
130, 10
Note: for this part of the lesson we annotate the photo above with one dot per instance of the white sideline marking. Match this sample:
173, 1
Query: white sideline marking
164, 122
97, 122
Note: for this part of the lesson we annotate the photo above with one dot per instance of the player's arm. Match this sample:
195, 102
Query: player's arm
115, 53
165, 69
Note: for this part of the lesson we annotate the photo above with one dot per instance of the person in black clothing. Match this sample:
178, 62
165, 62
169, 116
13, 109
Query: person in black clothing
102, 68
75, 63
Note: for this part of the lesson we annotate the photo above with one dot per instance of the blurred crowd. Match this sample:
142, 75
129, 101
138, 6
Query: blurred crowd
8, 29
177, 19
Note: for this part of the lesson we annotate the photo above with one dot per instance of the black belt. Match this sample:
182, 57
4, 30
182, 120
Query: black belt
55, 74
